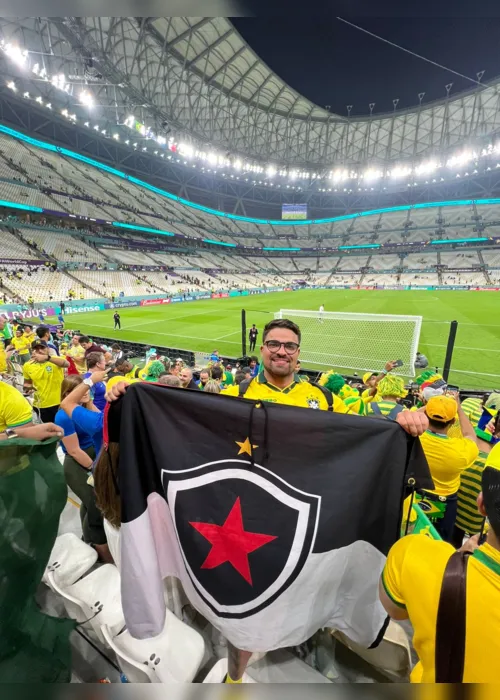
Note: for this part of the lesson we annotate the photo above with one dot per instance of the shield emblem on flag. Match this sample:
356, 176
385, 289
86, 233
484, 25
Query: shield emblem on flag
244, 533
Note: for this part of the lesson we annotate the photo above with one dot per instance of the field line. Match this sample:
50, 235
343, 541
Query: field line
228, 335
169, 335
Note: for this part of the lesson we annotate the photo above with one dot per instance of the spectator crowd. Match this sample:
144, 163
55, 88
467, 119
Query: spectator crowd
67, 380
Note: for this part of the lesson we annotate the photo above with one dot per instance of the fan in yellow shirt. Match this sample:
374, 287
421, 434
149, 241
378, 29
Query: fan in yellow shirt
411, 587
77, 354
278, 382
447, 458
45, 373
15, 410
29, 334
22, 346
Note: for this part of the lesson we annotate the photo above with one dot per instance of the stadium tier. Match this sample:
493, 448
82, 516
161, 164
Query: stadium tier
109, 228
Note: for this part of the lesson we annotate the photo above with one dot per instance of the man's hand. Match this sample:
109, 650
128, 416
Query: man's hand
40, 355
99, 376
389, 366
414, 422
471, 545
44, 431
116, 391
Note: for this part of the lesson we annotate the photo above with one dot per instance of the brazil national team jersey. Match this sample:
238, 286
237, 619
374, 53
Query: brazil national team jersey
473, 409
47, 379
298, 393
412, 578
469, 519
14, 408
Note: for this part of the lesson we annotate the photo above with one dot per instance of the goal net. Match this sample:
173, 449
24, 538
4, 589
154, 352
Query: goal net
365, 342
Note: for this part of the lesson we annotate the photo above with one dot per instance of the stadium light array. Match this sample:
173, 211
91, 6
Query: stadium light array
399, 171
15, 53
372, 174
86, 99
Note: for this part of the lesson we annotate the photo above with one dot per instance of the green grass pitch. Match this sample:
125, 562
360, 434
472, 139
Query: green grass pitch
216, 323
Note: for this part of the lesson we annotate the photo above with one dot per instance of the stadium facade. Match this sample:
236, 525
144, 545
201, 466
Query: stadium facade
142, 143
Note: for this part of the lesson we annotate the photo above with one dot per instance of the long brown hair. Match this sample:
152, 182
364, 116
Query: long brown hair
105, 484
69, 383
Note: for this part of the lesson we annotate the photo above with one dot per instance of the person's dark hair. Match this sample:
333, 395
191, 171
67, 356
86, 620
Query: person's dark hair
439, 425
205, 370
107, 498
84, 339
69, 383
42, 331
93, 358
239, 377
281, 323
115, 347
254, 358
216, 373
490, 485
27, 325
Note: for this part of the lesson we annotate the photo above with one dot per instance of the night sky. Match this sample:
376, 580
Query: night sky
334, 64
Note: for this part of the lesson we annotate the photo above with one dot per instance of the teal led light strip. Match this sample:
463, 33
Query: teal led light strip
228, 245
224, 215
459, 240
288, 249
15, 205
136, 227
367, 245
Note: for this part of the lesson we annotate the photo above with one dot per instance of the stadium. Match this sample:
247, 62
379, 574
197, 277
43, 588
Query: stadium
158, 171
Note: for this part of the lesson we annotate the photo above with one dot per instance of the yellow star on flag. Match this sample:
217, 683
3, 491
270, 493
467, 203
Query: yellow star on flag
245, 447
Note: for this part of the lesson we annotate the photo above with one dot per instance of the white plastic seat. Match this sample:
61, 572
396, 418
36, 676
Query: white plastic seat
174, 656
392, 656
94, 600
69, 560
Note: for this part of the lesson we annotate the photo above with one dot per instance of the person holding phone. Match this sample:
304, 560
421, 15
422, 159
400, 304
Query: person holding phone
371, 380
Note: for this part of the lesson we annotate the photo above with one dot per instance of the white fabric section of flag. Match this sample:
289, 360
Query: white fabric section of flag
336, 589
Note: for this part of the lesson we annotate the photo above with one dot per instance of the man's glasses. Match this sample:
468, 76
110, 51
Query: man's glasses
275, 345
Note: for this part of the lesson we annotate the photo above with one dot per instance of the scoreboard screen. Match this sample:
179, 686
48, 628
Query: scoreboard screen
294, 211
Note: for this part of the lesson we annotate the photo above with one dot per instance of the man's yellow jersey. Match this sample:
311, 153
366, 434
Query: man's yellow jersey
22, 345
412, 578
77, 353
447, 458
47, 379
15, 410
298, 393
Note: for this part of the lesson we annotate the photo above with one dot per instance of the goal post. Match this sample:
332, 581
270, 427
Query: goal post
334, 339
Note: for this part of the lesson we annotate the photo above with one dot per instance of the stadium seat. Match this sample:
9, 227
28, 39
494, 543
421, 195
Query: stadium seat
69, 560
392, 656
174, 656
94, 600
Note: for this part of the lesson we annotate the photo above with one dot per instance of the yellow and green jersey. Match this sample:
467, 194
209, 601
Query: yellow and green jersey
469, 518
473, 409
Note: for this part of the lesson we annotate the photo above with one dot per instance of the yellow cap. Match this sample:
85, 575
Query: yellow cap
367, 376
442, 408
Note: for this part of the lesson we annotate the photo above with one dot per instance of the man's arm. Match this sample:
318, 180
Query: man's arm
388, 367
58, 361
36, 432
465, 425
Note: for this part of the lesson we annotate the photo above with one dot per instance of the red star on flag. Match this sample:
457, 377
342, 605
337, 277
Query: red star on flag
231, 543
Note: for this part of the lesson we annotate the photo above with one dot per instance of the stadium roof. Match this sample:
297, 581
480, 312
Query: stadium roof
199, 79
